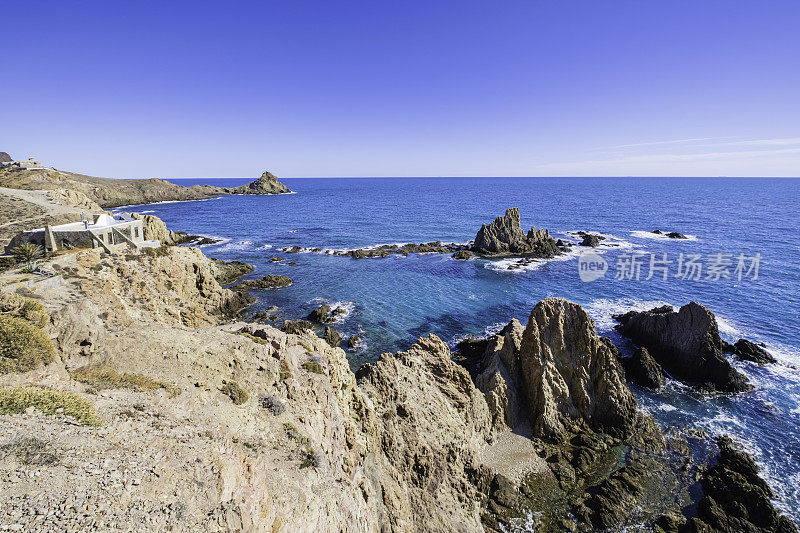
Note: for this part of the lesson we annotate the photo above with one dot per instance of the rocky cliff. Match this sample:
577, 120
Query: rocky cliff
158, 410
504, 237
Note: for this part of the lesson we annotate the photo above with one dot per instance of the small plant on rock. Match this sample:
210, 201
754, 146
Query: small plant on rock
233, 391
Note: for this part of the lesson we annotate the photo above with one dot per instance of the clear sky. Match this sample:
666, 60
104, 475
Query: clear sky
397, 88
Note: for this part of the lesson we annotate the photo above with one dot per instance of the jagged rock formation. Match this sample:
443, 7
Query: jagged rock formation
428, 433
270, 281
559, 373
5, 158
686, 344
735, 498
504, 237
267, 183
749, 351
227, 272
642, 369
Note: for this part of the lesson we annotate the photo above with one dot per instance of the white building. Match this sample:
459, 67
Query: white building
29, 164
104, 231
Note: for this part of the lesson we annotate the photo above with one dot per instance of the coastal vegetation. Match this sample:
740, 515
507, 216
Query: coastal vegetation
15, 400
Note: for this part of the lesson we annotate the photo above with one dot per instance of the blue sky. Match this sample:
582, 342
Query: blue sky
591, 88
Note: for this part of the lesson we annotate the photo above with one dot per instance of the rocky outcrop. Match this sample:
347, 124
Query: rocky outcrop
270, 281
428, 437
671, 234
590, 240
749, 351
5, 158
267, 183
110, 193
325, 314
462, 255
504, 237
735, 497
559, 374
386, 250
332, 337
227, 272
643, 370
686, 344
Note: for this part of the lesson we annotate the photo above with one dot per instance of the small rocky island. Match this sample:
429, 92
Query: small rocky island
267, 183
504, 238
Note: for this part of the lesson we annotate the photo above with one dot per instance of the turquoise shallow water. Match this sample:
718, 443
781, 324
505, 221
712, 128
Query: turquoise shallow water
392, 301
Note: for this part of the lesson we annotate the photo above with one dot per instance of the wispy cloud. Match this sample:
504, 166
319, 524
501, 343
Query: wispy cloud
676, 141
785, 141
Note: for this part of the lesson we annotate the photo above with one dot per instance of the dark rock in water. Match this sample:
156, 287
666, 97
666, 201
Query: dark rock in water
590, 240
354, 342
275, 259
676, 235
332, 337
462, 254
320, 314
686, 344
643, 370
735, 497
325, 314
227, 272
504, 237
386, 250
749, 351
657, 231
293, 250
270, 281
296, 326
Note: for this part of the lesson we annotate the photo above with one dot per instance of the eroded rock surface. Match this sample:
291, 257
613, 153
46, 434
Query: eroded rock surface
686, 344
504, 237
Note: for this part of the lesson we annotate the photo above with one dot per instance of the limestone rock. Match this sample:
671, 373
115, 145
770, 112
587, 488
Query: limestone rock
558, 373
428, 435
504, 237
686, 344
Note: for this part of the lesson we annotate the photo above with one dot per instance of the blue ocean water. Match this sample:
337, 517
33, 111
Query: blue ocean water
394, 300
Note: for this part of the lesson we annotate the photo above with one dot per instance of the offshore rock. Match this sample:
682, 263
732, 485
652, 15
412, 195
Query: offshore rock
643, 370
749, 351
686, 344
332, 337
270, 281
504, 237
227, 272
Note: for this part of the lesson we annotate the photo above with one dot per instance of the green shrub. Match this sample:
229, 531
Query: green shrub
285, 372
14, 400
27, 252
237, 394
23, 346
313, 366
100, 379
21, 307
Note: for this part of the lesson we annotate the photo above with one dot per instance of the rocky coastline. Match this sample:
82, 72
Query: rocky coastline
136, 397
108, 193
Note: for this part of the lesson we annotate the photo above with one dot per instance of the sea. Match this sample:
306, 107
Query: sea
741, 258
